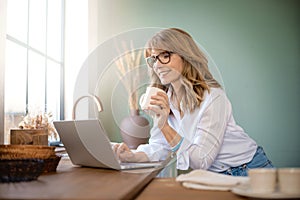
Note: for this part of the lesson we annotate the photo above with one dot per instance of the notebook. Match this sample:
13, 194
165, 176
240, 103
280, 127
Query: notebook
87, 144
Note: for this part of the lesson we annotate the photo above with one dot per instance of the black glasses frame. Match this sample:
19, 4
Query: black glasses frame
151, 60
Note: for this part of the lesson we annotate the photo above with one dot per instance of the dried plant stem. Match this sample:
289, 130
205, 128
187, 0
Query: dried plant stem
129, 62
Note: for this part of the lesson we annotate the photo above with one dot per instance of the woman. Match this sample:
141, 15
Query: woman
194, 117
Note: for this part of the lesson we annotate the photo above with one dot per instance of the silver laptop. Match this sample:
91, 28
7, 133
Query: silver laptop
87, 144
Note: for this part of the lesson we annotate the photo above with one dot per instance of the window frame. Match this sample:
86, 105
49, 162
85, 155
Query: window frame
46, 57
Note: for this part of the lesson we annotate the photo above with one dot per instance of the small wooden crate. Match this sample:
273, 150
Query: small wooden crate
29, 136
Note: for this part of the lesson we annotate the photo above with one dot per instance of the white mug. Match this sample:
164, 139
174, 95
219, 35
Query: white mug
289, 180
146, 97
263, 180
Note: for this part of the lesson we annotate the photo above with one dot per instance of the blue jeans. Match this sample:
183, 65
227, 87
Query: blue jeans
259, 160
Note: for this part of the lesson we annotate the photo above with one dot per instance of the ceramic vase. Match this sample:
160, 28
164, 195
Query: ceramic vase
135, 129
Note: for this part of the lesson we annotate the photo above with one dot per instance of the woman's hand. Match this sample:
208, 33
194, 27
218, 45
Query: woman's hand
123, 152
162, 109
126, 155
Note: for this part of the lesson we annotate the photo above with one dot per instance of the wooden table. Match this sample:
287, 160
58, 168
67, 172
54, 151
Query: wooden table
71, 182
168, 188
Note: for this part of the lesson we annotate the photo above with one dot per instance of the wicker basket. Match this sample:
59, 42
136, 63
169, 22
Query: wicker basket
20, 170
26, 162
11, 152
51, 164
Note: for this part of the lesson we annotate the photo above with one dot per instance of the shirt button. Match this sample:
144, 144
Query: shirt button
222, 167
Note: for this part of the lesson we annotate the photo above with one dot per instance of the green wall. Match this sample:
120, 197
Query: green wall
256, 46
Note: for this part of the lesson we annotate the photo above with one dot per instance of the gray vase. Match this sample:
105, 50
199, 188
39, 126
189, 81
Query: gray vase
135, 129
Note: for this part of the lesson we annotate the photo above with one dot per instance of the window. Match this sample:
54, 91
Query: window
34, 68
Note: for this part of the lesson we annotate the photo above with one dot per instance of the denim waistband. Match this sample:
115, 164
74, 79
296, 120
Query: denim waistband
259, 160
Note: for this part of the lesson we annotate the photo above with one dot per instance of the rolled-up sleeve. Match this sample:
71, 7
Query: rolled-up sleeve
158, 148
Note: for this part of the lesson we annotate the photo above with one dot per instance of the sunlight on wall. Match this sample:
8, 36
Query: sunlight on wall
2, 63
76, 50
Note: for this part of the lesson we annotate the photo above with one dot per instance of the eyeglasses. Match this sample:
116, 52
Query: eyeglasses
163, 57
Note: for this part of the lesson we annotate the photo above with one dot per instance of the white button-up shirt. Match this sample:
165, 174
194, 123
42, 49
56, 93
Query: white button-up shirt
212, 139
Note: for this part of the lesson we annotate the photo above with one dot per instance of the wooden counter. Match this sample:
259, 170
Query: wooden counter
168, 188
71, 182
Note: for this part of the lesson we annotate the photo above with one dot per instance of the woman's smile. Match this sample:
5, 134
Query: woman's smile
163, 73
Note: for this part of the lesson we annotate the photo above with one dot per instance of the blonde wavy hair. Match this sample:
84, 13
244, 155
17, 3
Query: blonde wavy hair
196, 77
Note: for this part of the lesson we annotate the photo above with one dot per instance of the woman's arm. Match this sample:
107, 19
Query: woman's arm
161, 119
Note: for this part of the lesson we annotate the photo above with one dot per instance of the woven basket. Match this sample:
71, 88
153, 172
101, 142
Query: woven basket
51, 163
20, 170
26, 162
11, 152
